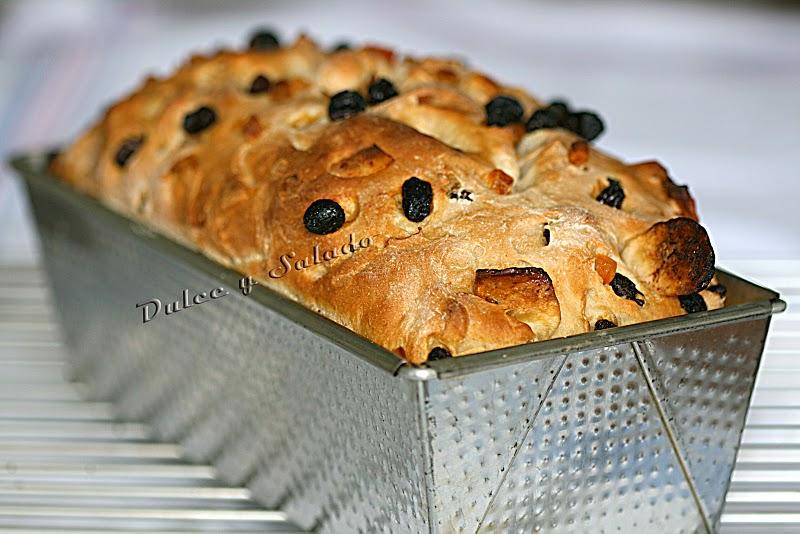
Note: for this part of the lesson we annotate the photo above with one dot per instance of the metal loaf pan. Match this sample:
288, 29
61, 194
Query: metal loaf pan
630, 429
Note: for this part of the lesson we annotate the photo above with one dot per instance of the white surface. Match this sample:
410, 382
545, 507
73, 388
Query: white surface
711, 91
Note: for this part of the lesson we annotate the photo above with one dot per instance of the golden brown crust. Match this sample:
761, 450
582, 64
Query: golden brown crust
675, 256
522, 240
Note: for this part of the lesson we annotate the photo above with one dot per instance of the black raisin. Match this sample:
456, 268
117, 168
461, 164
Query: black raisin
51, 156
693, 303
323, 216
341, 46
588, 125
465, 195
559, 107
603, 324
719, 289
127, 149
264, 39
380, 90
546, 235
612, 195
551, 116
417, 199
199, 120
503, 110
438, 353
260, 85
625, 288
345, 104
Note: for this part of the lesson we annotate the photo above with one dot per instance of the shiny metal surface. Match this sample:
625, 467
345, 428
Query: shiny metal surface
569, 435
69, 465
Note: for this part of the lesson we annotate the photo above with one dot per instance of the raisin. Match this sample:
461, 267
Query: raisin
543, 118
323, 216
127, 149
692, 303
380, 90
199, 120
588, 125
260, 85
554, 115
558, 115
439, 353
546, 235
559, 107
625, 288
603, 324
341, 46
345, 104
719, 289
264, 39
613, 195
503, 110
51, 156
417, 199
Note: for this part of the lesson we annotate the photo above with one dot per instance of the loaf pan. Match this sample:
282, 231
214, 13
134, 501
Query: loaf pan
629, 429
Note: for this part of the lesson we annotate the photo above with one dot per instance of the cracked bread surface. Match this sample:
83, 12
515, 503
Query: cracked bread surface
525, 237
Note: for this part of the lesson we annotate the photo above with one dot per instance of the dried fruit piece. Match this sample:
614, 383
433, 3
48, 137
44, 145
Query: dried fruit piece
578, 153
675, 257
589, 125
417, 199
603, 324
323, 216
252, 128
439, 353
260, 85
499, 182
719, 289
365, 162
526, 292
625, 288
127, 149
692, 303
264, 39
605, 267
503, 110
558, 115
199, 119
345, 104
380, 90
612, 195
546, 235
547, 117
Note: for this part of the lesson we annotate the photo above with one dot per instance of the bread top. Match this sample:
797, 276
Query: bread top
419, 222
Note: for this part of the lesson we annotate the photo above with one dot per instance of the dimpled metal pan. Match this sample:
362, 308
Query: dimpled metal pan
629, 429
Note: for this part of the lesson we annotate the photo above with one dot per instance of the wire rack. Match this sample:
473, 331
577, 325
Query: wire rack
69, 465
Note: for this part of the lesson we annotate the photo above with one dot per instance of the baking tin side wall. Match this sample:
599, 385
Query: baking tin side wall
334, 441
639, 435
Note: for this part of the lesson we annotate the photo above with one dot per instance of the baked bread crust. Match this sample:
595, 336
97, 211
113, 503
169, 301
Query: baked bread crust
516, 246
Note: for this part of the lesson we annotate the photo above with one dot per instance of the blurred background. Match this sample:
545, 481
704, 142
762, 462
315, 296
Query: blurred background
709, 89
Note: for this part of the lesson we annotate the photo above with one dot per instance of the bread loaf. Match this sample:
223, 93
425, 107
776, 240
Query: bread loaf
415, 201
